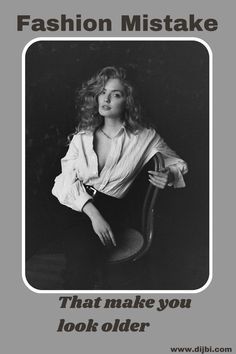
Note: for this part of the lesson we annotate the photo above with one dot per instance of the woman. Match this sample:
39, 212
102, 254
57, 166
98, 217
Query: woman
109, 148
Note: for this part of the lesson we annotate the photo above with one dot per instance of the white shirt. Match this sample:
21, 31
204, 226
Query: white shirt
128, 154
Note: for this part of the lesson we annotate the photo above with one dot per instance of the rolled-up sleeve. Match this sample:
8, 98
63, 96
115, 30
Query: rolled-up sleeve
68, 189
177, 166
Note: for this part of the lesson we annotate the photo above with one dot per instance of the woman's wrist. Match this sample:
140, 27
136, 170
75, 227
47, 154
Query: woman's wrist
90, 210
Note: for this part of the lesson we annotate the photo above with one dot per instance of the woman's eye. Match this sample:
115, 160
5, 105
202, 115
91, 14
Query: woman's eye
117, 95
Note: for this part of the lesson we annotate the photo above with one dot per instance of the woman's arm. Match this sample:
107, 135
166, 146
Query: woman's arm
175, 167
68, 189
100, 225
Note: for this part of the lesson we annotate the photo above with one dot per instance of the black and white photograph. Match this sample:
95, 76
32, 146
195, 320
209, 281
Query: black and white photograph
117, 165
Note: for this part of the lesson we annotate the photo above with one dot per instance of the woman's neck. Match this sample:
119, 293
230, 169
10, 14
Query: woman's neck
112, 125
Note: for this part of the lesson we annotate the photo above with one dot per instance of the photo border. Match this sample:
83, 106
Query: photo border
88, 39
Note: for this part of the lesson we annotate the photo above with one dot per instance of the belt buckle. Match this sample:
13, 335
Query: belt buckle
91, 190
94, 191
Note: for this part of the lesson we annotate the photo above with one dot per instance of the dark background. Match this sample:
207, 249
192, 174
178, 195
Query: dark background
172, 81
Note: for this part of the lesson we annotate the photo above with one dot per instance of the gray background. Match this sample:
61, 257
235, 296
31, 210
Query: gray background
29, 319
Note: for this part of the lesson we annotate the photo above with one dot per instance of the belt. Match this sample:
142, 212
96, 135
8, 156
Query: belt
90, 190
102, 198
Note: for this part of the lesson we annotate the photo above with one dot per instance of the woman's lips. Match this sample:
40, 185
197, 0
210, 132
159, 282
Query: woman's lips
106, 108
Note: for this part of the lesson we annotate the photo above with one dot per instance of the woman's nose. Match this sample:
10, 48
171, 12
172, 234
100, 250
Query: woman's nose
107, 98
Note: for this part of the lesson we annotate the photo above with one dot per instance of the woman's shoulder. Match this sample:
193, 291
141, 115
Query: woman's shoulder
148, 133
79, 136
81, 133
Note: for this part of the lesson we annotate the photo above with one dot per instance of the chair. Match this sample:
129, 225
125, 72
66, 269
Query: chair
135, 242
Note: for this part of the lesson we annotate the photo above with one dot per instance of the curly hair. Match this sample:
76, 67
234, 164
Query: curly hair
87, 101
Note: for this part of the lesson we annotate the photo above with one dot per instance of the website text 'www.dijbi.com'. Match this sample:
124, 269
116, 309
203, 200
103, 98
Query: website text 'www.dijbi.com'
201, 349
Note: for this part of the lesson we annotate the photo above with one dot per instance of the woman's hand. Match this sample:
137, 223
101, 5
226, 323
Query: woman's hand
161, 178
100, 225
103, 230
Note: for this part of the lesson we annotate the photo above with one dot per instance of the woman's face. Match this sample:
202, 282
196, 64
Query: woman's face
111, 101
